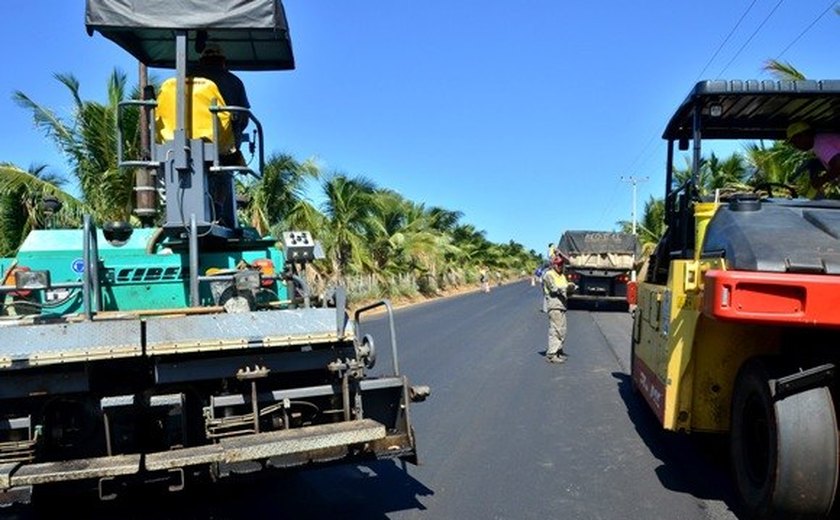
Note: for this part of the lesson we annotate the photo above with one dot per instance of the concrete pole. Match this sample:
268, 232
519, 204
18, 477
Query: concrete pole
634, 181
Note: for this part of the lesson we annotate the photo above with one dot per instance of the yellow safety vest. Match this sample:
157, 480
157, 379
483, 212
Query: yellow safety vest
557, 279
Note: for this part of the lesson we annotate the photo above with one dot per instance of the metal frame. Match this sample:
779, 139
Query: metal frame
390, 310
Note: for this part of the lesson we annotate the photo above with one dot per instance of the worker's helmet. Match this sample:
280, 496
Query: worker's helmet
797, 128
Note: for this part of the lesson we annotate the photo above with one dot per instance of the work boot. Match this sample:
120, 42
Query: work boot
555, 359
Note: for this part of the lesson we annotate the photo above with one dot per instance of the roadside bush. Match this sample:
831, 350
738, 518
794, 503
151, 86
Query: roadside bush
427, 285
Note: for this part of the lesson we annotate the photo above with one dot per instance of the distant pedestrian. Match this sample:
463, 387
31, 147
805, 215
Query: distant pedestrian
485, 281
556, 289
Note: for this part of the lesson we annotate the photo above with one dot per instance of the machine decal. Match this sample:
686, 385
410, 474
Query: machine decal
78, 266
650, 386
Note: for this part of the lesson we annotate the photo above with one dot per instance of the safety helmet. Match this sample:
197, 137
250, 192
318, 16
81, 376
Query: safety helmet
797, 128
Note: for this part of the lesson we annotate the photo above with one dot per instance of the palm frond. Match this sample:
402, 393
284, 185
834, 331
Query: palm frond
783, 70
48, 122
72, 85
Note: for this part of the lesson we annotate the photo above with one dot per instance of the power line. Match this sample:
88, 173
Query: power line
812, 24
757, 29
731, 32
645, 152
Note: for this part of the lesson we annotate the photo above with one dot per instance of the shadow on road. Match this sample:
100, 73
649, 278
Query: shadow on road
696, 464
365, 491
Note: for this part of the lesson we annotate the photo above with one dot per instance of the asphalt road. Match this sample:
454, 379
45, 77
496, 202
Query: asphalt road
504, 435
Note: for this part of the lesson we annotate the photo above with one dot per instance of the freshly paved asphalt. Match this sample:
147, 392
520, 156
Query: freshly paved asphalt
504, 435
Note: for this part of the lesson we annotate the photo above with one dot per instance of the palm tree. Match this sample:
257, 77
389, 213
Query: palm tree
277, 200
652, 225
402, 240
385, 231
471, 243
444, 220
715, 174
346, 208
21, 204
727, 174
89, 142
779, 165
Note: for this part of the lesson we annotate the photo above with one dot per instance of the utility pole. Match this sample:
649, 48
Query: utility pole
634, 181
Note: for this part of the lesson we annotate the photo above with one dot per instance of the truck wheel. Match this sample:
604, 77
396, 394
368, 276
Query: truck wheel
784, 453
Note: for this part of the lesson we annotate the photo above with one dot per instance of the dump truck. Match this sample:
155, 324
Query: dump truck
194, 347
737, 326
599, 263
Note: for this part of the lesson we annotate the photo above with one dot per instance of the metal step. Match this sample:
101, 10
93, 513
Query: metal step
235, 449
271, 444
79, 469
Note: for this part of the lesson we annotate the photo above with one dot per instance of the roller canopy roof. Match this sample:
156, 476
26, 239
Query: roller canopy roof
253, 34
757, 109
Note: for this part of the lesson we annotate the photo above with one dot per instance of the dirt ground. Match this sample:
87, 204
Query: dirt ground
398, 303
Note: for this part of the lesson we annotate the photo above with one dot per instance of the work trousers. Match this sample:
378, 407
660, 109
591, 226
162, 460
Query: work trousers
556, 331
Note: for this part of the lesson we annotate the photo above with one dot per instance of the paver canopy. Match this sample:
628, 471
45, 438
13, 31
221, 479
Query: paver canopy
254, 34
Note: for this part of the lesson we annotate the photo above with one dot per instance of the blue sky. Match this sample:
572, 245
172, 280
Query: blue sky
522, 115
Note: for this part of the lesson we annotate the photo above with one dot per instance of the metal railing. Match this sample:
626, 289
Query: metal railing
390, 310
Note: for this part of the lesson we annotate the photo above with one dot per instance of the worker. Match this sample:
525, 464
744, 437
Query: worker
826, 146
213, 66
557, 290
485, 280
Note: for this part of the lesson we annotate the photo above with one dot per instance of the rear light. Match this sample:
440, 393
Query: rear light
622, 278
27, 280
266, 267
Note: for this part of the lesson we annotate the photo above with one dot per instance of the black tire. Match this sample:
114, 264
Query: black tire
784, 452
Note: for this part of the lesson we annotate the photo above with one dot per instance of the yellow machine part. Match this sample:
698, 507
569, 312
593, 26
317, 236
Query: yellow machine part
201, 93
687, 362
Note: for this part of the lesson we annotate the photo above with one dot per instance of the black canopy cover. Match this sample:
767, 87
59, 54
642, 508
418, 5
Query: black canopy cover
253, 34
757, 109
